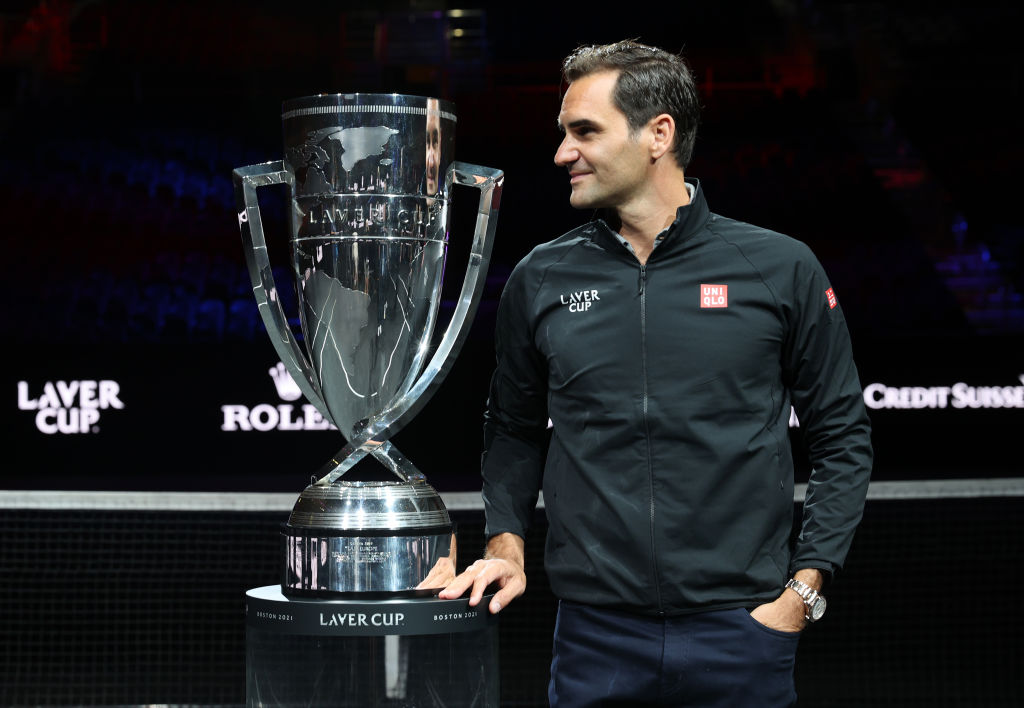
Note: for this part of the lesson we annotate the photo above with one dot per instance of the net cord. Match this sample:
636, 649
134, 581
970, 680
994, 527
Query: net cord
454, 501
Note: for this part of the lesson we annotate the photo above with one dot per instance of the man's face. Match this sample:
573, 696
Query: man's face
433, 145
607, 166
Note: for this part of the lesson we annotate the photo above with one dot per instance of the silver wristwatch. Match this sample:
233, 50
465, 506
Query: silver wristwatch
813, 601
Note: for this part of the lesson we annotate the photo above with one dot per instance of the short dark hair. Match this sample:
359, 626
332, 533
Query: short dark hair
651, 82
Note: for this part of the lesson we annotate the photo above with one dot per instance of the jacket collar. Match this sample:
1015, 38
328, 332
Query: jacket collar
690, 218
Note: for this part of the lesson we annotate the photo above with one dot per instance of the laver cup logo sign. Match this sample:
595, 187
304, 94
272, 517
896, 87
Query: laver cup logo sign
362, 619
275, 416
267, 608
69, 407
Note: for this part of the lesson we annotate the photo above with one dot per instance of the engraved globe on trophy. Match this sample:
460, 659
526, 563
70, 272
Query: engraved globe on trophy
369, 179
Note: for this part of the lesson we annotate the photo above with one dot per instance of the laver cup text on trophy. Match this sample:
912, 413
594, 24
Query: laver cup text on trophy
369, 178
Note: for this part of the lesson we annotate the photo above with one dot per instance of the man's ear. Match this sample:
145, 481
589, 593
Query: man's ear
663, 132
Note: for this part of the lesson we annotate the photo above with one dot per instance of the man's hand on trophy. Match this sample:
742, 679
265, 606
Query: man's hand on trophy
441, 575
503, 563
443, 572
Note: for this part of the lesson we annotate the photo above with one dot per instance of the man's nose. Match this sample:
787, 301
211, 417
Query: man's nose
566, 153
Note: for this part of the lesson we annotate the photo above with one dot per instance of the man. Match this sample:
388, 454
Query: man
666, 344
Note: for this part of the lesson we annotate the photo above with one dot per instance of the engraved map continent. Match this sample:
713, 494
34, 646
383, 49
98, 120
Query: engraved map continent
353, 145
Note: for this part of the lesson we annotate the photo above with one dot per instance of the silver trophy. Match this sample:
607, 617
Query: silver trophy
369, 179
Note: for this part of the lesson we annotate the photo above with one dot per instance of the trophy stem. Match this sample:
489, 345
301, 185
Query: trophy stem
385, 453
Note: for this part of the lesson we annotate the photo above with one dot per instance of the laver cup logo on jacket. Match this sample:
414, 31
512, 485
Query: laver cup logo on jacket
579, 301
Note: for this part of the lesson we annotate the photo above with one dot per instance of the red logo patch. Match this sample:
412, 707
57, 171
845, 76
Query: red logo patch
832, 302
714, 295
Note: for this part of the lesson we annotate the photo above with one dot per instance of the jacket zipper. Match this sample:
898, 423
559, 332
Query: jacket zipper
647, 427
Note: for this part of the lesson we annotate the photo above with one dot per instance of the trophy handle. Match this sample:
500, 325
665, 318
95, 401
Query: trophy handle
382, 426
257, 259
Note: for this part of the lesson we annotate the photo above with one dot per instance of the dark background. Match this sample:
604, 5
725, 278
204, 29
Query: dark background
879, 133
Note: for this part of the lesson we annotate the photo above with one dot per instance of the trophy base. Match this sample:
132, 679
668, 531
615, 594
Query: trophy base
361, 652
335, 563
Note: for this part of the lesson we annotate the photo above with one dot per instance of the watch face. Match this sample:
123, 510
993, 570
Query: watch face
817, 609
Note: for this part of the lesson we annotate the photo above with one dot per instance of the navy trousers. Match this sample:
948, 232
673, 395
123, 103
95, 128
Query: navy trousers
714, 659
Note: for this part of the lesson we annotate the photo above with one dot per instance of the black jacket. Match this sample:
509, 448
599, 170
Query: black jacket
668, 481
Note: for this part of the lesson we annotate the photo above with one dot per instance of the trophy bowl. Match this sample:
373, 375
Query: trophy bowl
370, 178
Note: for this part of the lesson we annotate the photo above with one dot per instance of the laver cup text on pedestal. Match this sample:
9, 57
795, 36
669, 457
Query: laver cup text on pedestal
369, 178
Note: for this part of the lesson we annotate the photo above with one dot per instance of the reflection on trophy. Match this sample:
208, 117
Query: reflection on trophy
433, 143
369, 234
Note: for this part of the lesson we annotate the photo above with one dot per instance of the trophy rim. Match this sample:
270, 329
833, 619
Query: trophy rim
342, 98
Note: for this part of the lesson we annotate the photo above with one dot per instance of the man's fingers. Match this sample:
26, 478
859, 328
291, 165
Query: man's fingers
509, 592
464, 581
512, 584
443, 573
483, 579
458, 586
480, 576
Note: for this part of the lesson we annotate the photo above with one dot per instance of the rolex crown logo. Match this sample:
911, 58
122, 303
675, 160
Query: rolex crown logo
286, 387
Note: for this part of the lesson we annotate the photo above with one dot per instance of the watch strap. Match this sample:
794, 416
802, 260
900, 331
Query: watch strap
808, 594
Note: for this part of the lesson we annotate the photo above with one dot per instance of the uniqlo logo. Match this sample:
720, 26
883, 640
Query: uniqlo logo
832, 302
714, 295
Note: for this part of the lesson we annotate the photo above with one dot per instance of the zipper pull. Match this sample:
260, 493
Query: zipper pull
643, 277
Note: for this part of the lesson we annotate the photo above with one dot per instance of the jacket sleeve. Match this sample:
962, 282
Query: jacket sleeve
820, 373
515, 423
